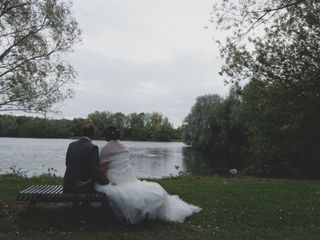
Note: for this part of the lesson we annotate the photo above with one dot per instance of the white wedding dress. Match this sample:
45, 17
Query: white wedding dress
134, 200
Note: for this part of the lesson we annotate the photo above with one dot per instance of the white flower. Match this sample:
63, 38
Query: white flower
233, 171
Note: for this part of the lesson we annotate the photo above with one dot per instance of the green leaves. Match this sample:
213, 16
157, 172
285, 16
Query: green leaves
272, 51
33, 36
215, 123
140, 126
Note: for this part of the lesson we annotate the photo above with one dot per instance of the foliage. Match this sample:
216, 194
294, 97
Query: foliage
22, 126
100, 120
279, 68
201, 127
142, 126
215, 125
242, 17
283, 133
34, 34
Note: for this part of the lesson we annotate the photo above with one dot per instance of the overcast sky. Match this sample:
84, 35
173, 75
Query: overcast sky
143, 56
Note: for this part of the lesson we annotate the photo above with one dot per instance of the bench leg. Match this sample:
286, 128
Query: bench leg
32, 205
75, 204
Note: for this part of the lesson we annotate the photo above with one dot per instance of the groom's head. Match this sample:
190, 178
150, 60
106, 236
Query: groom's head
89, 130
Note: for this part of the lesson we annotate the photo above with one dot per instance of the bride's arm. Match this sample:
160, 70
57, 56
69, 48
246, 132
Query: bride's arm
104, 166
104, 158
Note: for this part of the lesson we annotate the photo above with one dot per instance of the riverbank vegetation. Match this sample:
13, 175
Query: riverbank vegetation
269, 125
233, 208
134, 126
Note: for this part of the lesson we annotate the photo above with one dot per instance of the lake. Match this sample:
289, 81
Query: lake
149, 159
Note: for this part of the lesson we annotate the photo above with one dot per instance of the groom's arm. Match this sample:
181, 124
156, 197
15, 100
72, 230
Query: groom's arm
96, 173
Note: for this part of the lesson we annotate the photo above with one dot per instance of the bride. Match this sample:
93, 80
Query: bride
133, 200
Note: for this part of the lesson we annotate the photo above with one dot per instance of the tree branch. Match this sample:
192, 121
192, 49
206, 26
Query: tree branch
6, 10
28, 60
268, 11
283, 6
16, 43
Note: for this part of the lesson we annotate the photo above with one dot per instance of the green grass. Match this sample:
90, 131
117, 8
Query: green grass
235, 208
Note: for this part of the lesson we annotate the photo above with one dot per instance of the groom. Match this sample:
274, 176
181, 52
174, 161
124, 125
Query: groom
82, 164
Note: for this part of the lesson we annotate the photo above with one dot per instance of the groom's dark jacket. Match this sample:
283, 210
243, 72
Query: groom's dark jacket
82, 163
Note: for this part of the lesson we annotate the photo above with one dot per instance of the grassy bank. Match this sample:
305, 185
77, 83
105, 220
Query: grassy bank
236, 208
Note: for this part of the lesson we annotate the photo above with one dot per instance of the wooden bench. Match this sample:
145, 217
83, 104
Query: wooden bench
54, 193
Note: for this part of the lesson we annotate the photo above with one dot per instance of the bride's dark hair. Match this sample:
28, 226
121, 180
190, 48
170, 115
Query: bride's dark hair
113, 132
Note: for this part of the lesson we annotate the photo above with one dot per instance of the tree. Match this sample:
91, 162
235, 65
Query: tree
101, 121
288, 51
158, 127
201, 126
76, 126
8, 126
282, 68
34, 35
136, 126
215, 125
242, 17
119, 120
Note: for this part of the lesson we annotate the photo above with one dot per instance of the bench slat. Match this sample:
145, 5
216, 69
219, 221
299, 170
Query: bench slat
54, 193
58, 189
27, 189
33, 189
46, 192
42, 189
38, 194
26, 195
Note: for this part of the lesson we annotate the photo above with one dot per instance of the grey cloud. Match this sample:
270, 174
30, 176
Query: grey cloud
169, 87
143, 56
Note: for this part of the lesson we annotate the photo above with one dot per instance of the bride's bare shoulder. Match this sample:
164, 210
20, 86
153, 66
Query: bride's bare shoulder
121, 145
112, 148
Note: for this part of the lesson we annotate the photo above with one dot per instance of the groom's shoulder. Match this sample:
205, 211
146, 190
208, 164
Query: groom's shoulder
86, 142
82, 142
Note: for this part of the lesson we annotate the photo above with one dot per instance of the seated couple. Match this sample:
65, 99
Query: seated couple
131, 200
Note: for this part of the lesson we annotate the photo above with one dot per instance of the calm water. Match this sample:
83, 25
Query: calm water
149, 159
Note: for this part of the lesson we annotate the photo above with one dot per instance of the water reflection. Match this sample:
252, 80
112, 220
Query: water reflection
150, 159
203, 162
